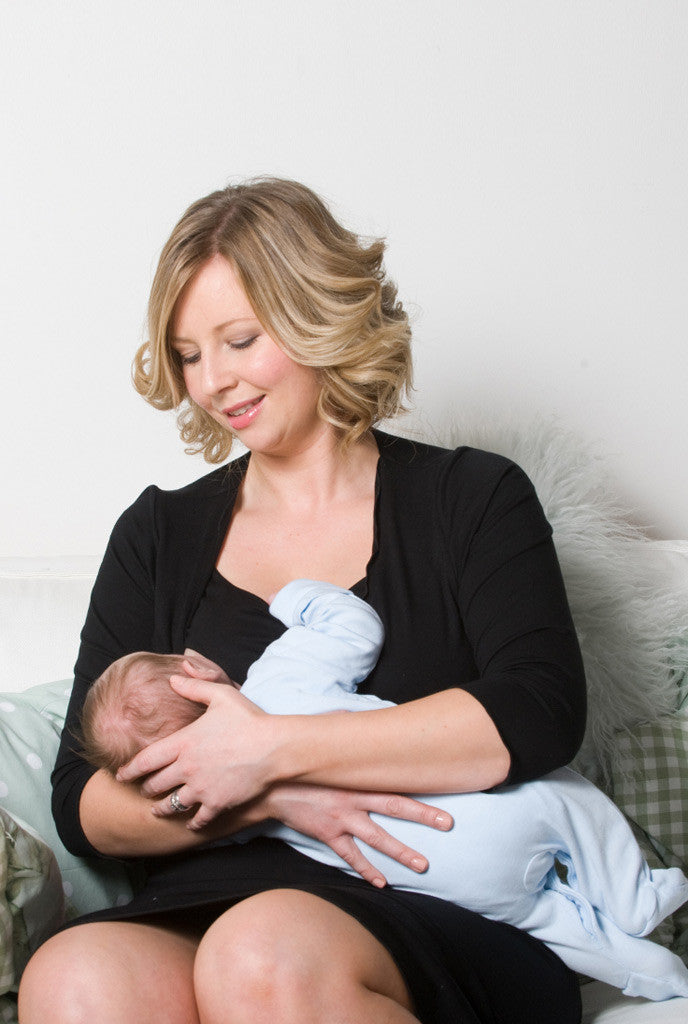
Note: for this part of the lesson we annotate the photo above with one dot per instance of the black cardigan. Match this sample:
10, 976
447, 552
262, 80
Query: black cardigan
463, 574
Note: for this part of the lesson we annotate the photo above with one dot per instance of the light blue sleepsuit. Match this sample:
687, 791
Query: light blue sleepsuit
499, 859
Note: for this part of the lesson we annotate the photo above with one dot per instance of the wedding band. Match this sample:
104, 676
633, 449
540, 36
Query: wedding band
176, 803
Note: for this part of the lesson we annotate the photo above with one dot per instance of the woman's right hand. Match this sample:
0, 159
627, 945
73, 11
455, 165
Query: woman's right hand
337, 817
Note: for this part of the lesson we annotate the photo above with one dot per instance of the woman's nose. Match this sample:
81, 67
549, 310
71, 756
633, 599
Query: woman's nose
216, 374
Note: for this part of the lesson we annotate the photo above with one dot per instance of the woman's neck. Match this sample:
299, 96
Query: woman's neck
313, 478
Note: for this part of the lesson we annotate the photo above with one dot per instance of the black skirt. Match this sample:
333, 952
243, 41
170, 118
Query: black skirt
459, 967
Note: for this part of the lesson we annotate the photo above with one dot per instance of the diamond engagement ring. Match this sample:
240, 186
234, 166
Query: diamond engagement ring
176, 803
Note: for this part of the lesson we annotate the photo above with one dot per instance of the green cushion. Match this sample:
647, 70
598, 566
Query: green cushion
32, 904
650, 785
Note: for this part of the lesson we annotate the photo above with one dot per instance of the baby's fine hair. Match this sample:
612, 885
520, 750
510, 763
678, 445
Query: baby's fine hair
130, 705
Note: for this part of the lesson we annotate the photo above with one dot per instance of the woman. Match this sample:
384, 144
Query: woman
270, 322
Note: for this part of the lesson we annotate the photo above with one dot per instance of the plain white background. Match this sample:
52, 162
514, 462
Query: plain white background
527, 161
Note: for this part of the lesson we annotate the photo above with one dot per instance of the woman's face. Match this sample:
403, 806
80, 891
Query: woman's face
235, 371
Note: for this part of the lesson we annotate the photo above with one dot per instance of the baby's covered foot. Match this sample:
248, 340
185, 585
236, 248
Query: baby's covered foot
663, 975
665, 891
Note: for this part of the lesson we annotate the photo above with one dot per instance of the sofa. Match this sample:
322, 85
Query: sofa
629, 597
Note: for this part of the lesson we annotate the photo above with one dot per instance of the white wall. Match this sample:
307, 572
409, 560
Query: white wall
527, 160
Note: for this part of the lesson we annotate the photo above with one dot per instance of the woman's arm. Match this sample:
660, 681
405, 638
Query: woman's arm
522, 715
467, 751
120, 619
118, 821
384, 749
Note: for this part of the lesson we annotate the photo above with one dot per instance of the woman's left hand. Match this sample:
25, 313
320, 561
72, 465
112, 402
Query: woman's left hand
339, 817
216, 762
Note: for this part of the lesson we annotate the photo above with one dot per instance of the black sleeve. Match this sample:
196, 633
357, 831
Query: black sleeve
120, 619
516, 616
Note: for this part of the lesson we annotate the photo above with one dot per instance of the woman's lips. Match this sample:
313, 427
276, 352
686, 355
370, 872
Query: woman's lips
241, 415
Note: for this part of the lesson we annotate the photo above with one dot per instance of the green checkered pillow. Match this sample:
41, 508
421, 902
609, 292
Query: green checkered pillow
650, 785
651, 782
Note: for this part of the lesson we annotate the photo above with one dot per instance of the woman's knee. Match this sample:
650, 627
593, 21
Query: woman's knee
111, 973
62, 981
246, 964
287, 956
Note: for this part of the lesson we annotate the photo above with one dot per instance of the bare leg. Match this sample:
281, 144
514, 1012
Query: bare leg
111, 973
288, 957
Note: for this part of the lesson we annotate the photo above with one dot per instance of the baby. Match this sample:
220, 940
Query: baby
500, 858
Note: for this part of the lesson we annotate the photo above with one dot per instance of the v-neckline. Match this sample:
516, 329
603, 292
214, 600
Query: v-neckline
361, 586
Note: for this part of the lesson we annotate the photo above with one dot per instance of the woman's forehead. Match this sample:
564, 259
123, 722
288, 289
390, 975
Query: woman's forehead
212, 301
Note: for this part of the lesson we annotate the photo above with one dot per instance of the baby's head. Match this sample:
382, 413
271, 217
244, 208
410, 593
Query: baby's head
132, 704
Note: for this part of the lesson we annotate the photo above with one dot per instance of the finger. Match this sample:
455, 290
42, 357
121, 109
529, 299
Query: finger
203, 816
207, 672
347, 849
378, 839
196, 671
163, 781
151, 759
177, 681
199, 690
165, 809
199, 659
395, 806
203, 664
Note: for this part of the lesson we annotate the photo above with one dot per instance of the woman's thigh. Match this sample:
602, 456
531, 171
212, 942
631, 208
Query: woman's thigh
111, 972
287, 956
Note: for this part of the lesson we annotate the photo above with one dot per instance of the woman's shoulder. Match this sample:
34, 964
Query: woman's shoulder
218, 484
464, 466
459, 488
201, 500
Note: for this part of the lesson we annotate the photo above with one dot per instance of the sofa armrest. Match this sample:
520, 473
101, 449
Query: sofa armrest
43, 604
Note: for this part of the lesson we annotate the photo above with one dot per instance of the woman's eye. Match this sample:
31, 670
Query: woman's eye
190, 360
243, 344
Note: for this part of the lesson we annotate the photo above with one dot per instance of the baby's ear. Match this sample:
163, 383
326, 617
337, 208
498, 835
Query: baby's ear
190, 653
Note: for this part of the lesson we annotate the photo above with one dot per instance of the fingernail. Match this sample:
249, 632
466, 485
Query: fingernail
379, 883
442, 820
418, 864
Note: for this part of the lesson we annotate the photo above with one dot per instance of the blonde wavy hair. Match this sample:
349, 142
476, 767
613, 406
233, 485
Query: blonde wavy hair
320, 291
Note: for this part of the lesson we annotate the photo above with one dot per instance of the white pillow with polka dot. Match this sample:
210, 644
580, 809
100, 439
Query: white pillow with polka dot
30, 727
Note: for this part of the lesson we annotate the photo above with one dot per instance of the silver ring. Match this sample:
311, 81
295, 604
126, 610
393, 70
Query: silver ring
176, 803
